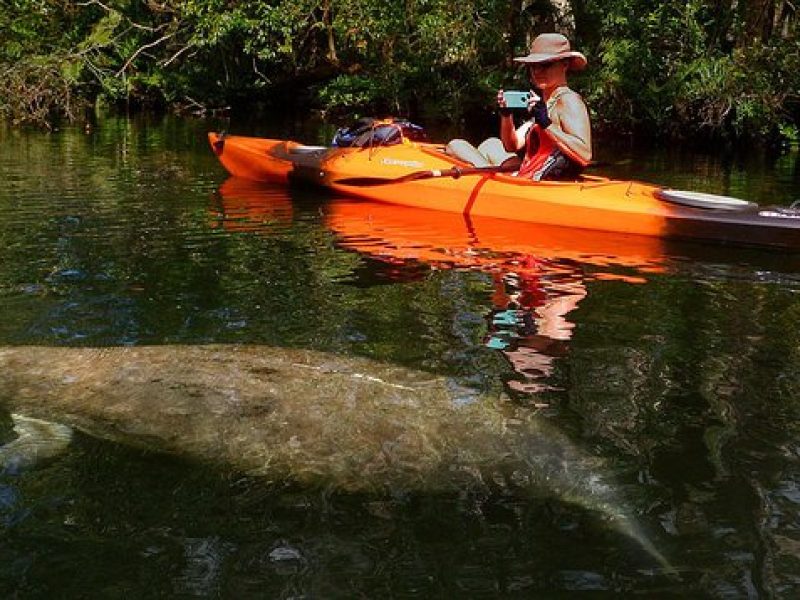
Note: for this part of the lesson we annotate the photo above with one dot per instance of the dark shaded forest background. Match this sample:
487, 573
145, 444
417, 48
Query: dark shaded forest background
710, 69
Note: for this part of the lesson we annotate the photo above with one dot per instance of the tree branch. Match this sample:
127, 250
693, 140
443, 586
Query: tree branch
163, 38
171, 59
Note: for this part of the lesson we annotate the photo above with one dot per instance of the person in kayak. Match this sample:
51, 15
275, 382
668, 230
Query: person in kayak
556, 139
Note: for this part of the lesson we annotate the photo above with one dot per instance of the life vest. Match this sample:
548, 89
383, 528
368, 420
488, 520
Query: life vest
543, 157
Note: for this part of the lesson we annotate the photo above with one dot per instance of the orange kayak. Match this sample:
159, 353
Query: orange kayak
415, 175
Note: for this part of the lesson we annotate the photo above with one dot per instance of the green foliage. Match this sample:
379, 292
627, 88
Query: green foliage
353, 91
696, 67
692, 68
790, 133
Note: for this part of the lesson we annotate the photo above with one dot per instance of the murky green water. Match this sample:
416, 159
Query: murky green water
673, 369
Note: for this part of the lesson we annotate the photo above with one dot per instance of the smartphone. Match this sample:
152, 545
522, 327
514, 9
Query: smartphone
516, 99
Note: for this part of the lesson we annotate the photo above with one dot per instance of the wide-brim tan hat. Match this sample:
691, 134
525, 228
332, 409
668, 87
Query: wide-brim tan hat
548, 47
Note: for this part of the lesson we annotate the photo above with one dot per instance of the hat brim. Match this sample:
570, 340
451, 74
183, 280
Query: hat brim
577, 60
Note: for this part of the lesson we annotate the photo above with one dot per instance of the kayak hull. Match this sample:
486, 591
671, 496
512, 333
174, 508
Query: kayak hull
595, 203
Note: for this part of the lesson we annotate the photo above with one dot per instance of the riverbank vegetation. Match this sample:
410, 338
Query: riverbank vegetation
712, 69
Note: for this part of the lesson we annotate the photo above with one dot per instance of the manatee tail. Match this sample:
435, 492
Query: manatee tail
37, 441
601, 498
629, 528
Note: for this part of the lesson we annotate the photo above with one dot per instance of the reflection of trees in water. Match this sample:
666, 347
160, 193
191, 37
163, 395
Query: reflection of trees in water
697, 380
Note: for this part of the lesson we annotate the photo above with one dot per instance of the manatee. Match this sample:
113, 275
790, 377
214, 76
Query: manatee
340, 423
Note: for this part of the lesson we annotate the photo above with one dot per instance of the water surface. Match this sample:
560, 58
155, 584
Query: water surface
677, 365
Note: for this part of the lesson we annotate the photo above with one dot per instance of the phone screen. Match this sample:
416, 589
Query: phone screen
516, 99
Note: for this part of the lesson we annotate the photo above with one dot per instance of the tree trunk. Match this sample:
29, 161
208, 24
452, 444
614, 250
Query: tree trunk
516, 34
757, 16
327, 20
786, 19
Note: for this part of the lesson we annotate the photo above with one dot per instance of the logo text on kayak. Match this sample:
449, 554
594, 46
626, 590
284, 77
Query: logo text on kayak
413, 164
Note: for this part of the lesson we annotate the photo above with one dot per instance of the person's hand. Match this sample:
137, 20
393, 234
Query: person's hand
538, 109
502, 105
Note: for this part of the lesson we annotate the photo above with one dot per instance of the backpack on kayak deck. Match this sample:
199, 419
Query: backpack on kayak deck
376, 132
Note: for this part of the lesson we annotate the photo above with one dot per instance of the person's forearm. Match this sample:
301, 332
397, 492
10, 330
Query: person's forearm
508, 133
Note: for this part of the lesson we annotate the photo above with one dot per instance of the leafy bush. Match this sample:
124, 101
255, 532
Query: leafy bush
38, 88
696, 68
693, 69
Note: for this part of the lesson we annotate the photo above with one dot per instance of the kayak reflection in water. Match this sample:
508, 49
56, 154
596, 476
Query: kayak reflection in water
556, 139
529, 325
